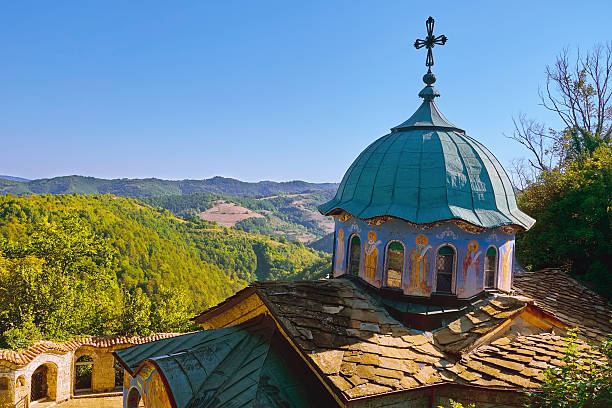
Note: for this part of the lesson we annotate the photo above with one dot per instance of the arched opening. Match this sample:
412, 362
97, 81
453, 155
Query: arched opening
134, 400
490, 267
21, 393
118, 375
445, 266
20, 382
5, 392
43, 383
395, 264
83, 369
354, 255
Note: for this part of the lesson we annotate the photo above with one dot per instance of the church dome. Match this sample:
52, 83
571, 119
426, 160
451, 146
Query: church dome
428, 170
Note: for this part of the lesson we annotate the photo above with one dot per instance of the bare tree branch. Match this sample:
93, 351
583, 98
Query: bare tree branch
540, 142
580, 94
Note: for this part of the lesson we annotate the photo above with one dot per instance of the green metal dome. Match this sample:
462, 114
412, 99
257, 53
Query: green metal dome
428, 170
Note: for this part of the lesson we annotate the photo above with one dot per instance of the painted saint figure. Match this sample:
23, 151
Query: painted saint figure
371, 255
418, 261
340, 249
471, 266
506, 265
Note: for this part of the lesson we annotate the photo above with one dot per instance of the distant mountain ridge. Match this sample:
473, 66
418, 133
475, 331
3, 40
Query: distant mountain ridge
13, 178
156, 187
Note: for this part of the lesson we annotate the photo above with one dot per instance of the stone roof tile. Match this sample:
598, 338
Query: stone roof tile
505, 365
571, 302
373, 353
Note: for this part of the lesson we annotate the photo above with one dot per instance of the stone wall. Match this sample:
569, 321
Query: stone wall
103, 370
60, 374
59, 377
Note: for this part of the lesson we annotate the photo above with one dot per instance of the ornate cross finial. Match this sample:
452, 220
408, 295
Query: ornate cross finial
429, 42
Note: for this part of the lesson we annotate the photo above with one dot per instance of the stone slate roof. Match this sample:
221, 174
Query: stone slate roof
360, 350
461, 335
356, 346
25, 356
571, 302
516, 363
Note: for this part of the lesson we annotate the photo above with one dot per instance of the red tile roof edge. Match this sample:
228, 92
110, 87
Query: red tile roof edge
25, 356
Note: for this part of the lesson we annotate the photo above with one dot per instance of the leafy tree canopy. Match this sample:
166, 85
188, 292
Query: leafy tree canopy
96, 265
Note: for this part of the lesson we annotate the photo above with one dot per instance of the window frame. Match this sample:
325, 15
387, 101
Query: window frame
349, 255
495, 267
78, 363
386, 266
453, 288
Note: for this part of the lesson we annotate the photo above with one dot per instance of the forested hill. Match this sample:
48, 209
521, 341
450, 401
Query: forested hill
157, 187
99, 264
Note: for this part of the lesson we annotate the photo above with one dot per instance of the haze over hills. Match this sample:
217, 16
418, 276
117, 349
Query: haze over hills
281, 209
13, 178
155, 187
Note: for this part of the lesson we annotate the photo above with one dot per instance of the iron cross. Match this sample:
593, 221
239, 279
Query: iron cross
430, 41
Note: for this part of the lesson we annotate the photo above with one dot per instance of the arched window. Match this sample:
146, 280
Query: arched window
20, 382
395, 264
354, 255
490, 267
118, 375
4, 383
445, 266
82, 373
134, 400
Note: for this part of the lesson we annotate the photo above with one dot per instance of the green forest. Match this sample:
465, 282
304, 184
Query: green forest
99, 264
280, 212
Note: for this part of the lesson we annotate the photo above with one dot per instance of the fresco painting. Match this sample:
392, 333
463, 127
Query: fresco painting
506, 255
338, 265
470, 269
148, 382
418, 267
370, 250
157, 395
420, 260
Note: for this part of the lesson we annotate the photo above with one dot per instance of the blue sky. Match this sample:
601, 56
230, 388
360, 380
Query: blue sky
276, 90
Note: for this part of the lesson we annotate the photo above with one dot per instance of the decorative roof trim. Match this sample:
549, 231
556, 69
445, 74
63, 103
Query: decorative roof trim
466, 226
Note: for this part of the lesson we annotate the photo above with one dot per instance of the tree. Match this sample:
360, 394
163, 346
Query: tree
584, 380
579, 94
136, 317
454, 404
567, 179
573, 209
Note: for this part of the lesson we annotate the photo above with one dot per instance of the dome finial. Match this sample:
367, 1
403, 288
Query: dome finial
429, 92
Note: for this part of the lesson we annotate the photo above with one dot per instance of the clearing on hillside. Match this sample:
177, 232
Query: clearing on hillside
228, 214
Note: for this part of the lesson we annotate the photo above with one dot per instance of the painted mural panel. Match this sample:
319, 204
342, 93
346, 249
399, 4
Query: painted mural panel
370, 250
339, 261
470, 281
419, 267
420, 260
506, 255
147, 384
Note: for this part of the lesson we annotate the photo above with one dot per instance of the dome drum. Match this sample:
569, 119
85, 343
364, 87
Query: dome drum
446, 259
